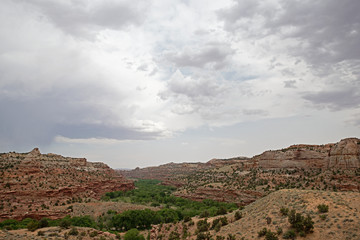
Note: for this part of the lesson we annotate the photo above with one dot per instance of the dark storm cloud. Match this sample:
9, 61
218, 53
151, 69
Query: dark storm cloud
37, 121
81, 19
327, 31
335, 100
213, 56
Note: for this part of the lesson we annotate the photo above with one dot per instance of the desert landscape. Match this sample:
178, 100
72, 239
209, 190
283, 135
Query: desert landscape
55, 197
179, 120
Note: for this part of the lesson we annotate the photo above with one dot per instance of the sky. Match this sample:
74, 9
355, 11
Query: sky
136, 83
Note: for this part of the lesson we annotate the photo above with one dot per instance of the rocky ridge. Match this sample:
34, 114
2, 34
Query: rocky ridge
342, 155
334, 166
39, 185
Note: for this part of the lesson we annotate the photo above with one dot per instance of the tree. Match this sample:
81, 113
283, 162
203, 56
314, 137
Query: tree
33, 225
289, 234
308, 224
43, 223
133, 234
203, 225
65, 223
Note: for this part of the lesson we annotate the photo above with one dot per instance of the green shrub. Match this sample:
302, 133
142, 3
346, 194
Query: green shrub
323, 208
73, 231
300, 223
204, 214
290, 234
221, 211
133, 234
203, 236
238, 215
271, 236
43, 223
93, 234
230, 237
187, 218
174, 236
65, 223
262, 232
284, 211
217, 227
33, 225
203, 225
308, 224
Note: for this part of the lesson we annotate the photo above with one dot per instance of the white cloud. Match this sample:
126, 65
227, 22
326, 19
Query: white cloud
102, 71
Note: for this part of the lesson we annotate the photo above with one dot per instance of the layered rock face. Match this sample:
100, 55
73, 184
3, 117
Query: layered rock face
342, 155
35, 185
345, 154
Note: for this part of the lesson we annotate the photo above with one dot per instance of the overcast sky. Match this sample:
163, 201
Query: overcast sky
140, 83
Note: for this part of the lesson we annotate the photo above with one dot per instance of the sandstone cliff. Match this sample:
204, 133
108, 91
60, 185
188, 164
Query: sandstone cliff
34, 184
342, 155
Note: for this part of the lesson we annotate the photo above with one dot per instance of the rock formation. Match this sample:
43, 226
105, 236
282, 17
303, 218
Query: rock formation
345, 154
34, 184
334, 166
342, 155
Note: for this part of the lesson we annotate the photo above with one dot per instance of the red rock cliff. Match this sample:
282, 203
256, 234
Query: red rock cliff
344, 155
34, 184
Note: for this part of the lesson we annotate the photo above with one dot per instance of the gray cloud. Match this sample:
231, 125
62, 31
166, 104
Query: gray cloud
258, 112
193, 94
36, 121
335, 100
326, 31
213, 56
82, 18
193, 88
50, 86
290, 84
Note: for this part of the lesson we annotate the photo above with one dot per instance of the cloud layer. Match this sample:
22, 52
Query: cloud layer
73, 71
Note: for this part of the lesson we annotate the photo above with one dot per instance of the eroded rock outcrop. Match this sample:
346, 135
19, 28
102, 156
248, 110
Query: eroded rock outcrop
345, 154
342, 155
34, 184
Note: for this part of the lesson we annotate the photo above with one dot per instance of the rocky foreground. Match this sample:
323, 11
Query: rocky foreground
39, 185
342, 221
